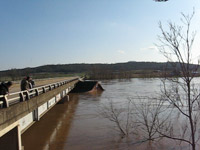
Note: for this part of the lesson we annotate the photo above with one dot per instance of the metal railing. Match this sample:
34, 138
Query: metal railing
13, 98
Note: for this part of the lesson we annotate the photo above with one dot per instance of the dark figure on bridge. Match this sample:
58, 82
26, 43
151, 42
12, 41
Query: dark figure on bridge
4, 87
4, 90
25, 83
31, 83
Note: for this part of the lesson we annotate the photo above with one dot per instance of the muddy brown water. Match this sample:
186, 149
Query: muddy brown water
76, 125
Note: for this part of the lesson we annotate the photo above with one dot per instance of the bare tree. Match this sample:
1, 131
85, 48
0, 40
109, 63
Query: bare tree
120, 115
181, 93
176, 113
148, 112
138, 117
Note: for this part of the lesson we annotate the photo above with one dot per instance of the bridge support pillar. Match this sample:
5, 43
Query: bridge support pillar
10, 137
67, 97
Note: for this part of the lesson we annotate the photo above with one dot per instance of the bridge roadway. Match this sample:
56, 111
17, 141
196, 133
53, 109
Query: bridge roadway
19, 110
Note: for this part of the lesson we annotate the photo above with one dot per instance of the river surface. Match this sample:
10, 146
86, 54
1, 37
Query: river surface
77, 125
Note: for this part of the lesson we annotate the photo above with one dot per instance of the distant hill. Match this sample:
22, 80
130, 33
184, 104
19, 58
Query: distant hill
53, 70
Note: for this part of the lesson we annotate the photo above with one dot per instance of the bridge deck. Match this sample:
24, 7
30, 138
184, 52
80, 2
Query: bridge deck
38, 82
41, 87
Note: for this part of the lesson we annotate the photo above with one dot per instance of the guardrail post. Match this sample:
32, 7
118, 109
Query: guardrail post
5, 101
21, 95
27, 95
43, 89
36, 92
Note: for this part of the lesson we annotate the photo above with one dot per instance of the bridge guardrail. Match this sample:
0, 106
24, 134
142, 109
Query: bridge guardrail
16, 97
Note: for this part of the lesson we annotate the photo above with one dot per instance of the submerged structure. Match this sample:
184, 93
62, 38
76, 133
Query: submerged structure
87, 86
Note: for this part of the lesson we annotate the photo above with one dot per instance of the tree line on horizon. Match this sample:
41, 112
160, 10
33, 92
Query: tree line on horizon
107, 71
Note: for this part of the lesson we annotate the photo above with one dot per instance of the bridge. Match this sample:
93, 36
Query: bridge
19, 110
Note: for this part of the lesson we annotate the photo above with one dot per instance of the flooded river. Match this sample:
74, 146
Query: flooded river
77, 125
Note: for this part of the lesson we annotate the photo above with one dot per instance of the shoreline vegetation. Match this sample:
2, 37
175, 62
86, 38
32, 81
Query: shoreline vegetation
99, 71
135, 74
106, 75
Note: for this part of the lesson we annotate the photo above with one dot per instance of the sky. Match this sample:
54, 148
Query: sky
41, 32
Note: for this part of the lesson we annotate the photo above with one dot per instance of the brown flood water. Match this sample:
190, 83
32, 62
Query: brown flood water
76, 125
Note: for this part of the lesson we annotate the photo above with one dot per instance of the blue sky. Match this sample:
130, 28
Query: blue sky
40, 32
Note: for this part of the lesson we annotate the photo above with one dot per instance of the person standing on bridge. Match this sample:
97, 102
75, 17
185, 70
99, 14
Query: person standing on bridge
4, 87
31, 83
4, 90
25, 83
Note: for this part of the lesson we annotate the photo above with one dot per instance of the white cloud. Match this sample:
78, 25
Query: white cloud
150, 48
121, 51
